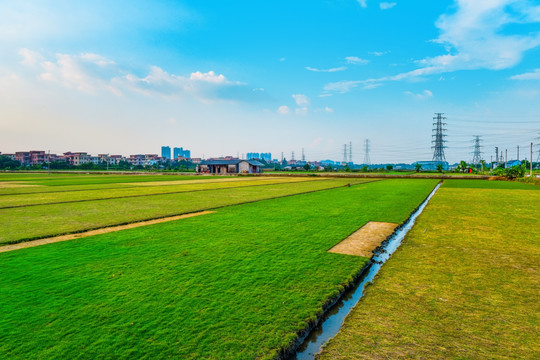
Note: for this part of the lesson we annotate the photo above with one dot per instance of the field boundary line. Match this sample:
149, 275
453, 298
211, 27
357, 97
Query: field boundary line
165, 193
105, 230
23, 240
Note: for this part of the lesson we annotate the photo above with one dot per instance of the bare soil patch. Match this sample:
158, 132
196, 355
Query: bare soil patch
97, 232
10, 185
365, 240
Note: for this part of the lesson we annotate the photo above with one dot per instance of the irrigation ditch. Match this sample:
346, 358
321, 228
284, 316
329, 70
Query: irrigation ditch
311, 340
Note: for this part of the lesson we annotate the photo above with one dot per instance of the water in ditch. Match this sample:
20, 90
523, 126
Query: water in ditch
333, 319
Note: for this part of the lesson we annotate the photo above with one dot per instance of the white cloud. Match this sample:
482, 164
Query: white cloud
426, 94
475, 36
30, 57
387, 5
282, 59
301, 100
341, 68
208, 77
356, 60
92, 73
283, 110
363, 3
378, 53
533, 75
328, 109
301, 111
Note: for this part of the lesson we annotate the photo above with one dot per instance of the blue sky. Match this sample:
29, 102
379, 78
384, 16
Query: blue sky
226, 78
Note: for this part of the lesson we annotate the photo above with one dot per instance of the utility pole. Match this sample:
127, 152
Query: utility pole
517, 153
506, 158
531, 161
350, 152
367, 160
438, 147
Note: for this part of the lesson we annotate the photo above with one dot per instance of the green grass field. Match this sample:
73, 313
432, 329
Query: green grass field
235, 284
24, 223
463, 285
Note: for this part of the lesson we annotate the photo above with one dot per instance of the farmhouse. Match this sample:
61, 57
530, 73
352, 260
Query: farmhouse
230, 166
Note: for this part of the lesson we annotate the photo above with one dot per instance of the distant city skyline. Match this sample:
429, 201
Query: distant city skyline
222, 78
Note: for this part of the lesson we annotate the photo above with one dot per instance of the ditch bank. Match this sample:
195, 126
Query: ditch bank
310, 341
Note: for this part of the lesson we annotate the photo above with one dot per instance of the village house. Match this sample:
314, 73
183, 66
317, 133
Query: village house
230, 166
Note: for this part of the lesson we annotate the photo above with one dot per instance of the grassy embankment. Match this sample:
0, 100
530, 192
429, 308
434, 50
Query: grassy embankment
464, 284
236, 284
24, 223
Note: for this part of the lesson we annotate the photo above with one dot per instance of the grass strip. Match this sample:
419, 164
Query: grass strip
29, 223
236, 284
464, 284
15, 201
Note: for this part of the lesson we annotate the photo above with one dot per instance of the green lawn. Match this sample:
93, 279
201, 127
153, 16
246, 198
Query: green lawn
235, 284
20, 224
463, 285
117, 192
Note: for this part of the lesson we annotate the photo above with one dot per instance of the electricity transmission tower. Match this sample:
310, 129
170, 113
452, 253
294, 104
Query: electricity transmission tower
438, 153
367, 161
292, 155
477, 153
344, 153
350, 152
303, 155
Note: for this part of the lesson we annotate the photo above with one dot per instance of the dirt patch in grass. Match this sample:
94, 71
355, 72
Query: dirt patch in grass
96, 232
10, 185
365, 240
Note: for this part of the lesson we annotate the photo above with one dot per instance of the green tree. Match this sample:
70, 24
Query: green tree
417, 167
6, 163
389, 167
307, 167
440, 167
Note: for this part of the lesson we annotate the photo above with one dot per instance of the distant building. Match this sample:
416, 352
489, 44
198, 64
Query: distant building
180, 152
511, 163
166, 152
235, 166
256, 156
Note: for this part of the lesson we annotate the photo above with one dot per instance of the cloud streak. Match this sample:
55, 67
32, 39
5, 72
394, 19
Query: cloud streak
336, 69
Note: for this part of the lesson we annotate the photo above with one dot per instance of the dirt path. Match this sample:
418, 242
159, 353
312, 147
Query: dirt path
105, 230
366, 239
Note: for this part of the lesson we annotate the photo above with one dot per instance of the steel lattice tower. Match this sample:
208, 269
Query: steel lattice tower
438, 152
303, 155
350, 152
344, 153
367, 161
477, 153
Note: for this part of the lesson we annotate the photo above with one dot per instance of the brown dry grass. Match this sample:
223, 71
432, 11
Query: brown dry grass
365, 240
